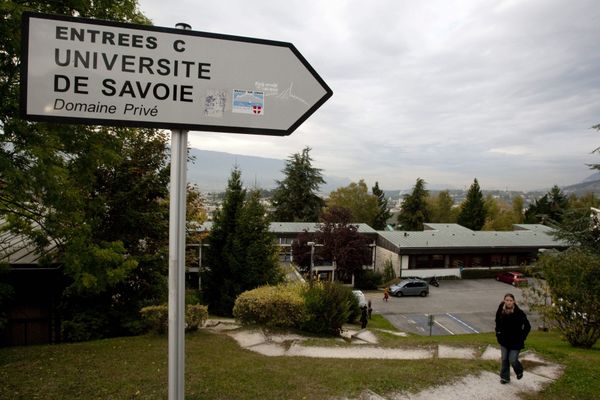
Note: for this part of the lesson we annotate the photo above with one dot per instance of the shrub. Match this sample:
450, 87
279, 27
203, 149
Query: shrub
84, 326
388, 271
572, 279
195, 316
328, 307
273, 306
353, 307
156, 317
368, 279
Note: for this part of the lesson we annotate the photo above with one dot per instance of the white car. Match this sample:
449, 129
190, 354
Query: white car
360, 296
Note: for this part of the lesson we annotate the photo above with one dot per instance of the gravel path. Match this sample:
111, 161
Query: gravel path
483, 386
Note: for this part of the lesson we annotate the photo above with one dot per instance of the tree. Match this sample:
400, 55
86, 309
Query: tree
383, 214
295, 199
363, 206
240, 255
195, 217
573, 278
255, 245
219, 283
472, 214
302, 252
596, 150
584, 202
95, 193
342, 243
517, 208
440, 207
499, 215
414, 210
548, 209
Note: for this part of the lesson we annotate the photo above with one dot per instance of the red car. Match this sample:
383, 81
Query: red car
514, 278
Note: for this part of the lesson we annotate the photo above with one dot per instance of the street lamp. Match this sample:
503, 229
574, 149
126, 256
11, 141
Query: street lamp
312, 259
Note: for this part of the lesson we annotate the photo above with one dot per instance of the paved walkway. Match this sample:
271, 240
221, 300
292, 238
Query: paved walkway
484, 386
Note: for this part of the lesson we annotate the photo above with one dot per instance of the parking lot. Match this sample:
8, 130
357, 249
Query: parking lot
457, 306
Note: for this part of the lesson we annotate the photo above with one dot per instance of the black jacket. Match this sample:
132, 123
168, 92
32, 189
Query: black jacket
512, 329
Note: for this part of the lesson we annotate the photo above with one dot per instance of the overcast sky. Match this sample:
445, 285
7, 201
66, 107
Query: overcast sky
449, 91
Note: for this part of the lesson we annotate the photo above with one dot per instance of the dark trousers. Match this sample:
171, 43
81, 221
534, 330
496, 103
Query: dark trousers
510, 357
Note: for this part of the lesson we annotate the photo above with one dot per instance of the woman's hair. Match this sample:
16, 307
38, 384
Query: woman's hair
509, 295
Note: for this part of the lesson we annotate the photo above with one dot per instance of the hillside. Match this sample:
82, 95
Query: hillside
210, 170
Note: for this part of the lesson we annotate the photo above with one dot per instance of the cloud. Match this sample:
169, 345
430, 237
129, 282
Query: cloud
443, 90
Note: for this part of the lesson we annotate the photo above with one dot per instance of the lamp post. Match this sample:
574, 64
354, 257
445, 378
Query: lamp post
312, 259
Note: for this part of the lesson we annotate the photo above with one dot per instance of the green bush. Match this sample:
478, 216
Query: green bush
156, 317
328, 307
353, 307
388, 271
368, 279
84, 326
273, 306
195, 316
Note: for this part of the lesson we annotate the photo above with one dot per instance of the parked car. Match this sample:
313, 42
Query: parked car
514, 278
410, 287
360, 296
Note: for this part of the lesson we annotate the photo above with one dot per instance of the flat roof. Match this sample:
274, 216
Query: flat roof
457, 236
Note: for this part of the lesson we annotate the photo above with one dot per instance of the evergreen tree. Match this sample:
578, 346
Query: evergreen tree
414, 210
255, 245
472, 214
548, 209
220, 285
383, 213
295, 199
241, 254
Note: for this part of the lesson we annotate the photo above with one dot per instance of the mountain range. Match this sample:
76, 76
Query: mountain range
210, 170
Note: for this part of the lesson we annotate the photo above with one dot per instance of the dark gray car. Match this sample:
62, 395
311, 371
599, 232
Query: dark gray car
410, 287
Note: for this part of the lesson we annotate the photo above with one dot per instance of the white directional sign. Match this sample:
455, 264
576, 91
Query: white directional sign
79, 70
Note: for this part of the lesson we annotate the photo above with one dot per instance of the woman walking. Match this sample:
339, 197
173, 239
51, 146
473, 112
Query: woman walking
512, 328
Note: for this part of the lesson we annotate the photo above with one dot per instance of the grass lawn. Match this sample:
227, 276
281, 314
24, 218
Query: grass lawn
217, 368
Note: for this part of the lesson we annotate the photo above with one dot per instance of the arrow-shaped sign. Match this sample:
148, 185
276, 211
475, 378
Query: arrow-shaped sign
79, 70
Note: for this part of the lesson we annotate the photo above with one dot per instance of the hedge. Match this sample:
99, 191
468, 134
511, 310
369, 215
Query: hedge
272, 306
157, 317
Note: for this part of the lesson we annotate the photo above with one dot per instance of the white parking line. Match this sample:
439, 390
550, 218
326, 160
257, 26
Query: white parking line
463, 323
443, 327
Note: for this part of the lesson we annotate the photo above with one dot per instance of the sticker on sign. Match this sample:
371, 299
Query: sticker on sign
77, 70
248, 102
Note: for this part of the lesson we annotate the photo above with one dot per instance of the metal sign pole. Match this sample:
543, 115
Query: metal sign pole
177, 213
177, 208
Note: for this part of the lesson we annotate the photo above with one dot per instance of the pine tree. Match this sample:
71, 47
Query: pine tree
295, 199
414, 210
472, 214
219, 282
256, 246
241, 254
380, 220
548, 209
